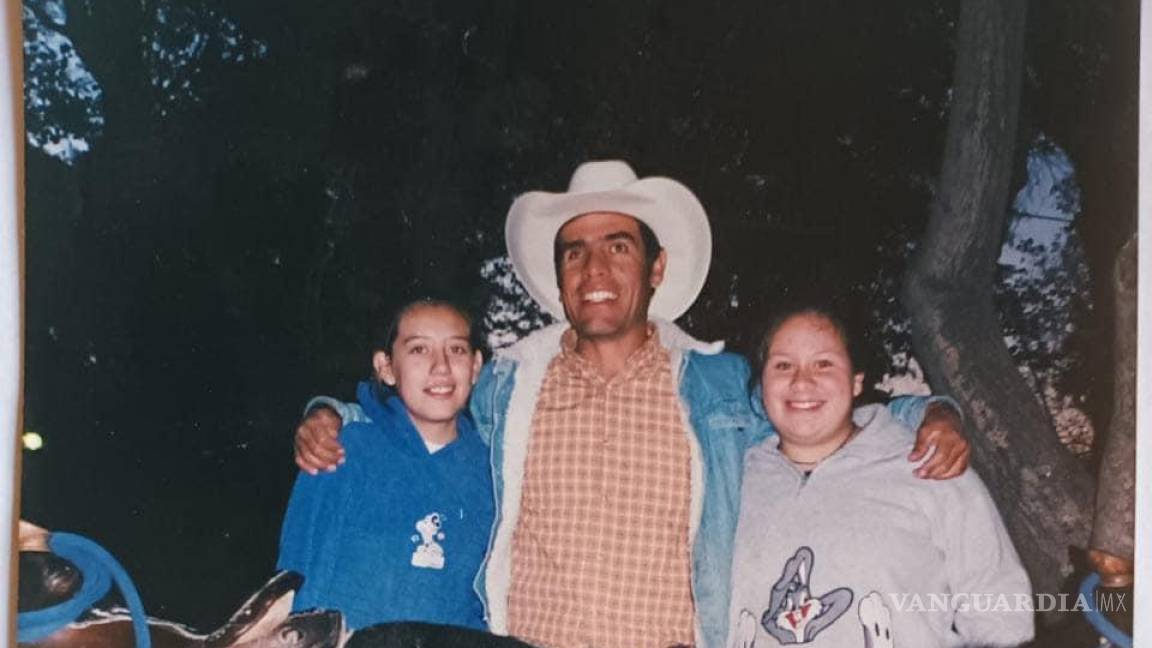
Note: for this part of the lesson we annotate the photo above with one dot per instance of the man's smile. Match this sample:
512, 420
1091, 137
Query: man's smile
599, 296
804, 404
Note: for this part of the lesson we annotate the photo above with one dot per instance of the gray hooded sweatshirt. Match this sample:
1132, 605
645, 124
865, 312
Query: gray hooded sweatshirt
859, 552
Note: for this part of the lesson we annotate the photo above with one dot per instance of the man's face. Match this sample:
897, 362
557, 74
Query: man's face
605, 280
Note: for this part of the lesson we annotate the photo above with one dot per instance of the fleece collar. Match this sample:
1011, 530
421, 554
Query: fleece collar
385, 408
544, 344
880, 436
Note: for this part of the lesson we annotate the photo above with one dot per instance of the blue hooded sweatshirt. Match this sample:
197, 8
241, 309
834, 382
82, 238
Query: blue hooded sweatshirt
398, 533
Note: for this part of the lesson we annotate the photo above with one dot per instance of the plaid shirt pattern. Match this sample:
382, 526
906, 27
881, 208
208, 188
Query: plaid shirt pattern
600, 554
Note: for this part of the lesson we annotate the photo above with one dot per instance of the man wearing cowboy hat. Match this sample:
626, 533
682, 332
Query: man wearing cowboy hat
617, 439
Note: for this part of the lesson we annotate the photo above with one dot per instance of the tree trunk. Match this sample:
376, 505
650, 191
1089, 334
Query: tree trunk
1043, 493
1113, 528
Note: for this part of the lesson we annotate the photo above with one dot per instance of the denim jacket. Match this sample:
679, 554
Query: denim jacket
724, 419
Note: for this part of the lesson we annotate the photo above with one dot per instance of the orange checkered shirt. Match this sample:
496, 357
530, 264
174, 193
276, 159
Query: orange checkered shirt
600, 555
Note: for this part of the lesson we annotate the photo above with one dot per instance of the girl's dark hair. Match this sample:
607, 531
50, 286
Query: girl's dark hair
386, 337
844, 319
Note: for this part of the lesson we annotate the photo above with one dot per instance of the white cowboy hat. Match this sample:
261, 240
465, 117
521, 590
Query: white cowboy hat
668, 207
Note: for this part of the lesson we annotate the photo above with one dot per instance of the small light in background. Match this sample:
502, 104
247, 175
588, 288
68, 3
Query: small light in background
32, 441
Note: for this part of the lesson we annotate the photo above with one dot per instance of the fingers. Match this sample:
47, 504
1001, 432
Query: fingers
941, 433
304, 460
949, 457
926, 447
920, 449
937, 453
317, 445
958, 465
311, 462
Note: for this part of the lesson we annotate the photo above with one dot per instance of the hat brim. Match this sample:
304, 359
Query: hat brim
668, 207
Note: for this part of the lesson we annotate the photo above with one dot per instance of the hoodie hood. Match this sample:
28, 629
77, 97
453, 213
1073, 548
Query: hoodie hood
372, 394
881, 436
542, 345
387, 410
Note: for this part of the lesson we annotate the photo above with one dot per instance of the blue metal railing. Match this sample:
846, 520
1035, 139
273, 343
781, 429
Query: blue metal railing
1106, 628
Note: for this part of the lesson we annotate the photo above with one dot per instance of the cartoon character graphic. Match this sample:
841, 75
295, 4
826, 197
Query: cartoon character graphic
794, 615
746, 629
877, 621
429, 553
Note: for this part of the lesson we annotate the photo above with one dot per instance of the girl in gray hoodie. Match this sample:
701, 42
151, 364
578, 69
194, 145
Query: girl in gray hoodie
838, 543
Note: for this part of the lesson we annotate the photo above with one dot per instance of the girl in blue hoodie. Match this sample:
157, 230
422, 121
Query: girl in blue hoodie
399, 533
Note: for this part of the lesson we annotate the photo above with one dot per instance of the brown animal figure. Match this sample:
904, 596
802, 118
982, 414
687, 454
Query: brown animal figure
45, 580
263, 621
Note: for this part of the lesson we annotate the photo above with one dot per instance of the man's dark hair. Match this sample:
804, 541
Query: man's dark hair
648, 238
652, 245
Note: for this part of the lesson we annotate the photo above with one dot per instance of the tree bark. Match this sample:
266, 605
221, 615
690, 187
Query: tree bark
1113, 528
1086, 100
1043, 493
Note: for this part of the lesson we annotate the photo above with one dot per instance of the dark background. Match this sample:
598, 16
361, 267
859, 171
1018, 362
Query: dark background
219, 256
